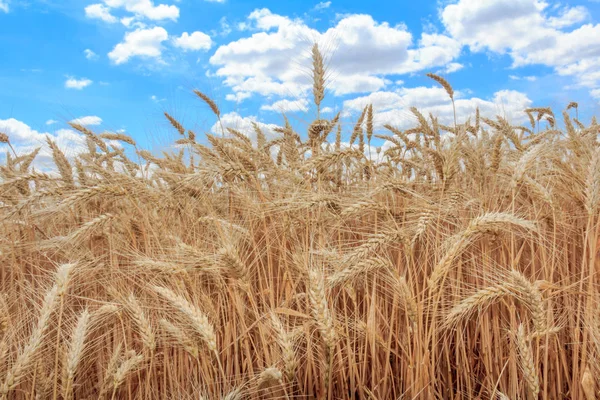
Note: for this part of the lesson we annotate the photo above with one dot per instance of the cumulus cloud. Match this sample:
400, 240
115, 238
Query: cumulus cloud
24, 139
362, 52
393, 107
77, 84
101, 12
569, 17
286, 105
195, 41
243, 125
530, 34
88, 120
139, 43
51, 122
238, 96
146, 9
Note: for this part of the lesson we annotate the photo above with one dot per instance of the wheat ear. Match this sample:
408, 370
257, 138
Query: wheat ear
592, 184
197, 319
588, 384
322, 316
181, 337
21, 366
527, 363
142, 322
75, 353
318, 76
127, 367
489, 222
284, 339
477, 301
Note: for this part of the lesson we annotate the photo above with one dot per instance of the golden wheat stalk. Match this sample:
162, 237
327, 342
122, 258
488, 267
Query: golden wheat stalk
285, 341
20, 368
75, 353
142, 323
180, 337
318, 76
196, 318
490, 222
526, 362
209, 102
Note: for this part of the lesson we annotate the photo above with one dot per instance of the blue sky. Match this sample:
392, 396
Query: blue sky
117, 65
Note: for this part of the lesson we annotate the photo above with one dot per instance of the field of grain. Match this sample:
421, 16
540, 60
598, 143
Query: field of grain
459, 263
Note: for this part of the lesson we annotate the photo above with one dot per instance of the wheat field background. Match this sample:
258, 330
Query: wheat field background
459, 263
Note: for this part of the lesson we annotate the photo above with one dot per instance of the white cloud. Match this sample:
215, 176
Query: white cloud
360, 53
529, 34
141, 42
569, 17
126, 21
78, 84
244, 125
326, 110
453, 67
87, 120
394, 107
100, 11
238, 97
286, 105
225, 27
527, 78
356, 83
196, 41
4, 6
24, 139
265, 19
146, 9
156, 99
322, 5
51, 122
90, 55
595, 93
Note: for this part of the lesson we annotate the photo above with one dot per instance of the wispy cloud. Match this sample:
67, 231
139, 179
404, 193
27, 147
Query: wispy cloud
322, 5
90, 55
525, 78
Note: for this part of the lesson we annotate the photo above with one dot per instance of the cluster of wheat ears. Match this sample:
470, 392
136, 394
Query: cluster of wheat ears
461, 262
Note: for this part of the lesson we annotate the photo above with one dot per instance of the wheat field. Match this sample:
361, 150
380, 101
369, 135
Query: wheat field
458, 263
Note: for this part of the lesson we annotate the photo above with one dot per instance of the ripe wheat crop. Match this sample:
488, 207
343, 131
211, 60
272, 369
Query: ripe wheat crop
460, 262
